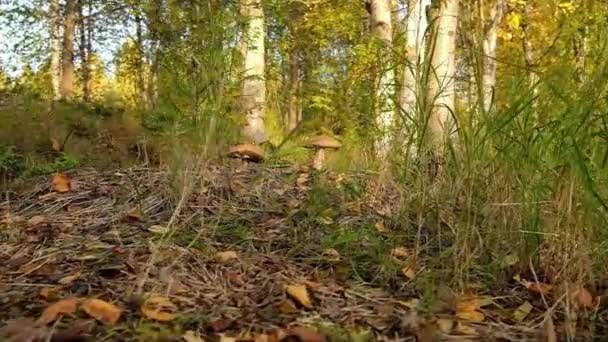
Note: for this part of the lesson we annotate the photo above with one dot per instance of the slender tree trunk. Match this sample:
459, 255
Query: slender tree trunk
253, 92
54, 30
489, 53
443, 63
84, 55
295, 85
416, 28
580, 53
90, 30
141, 80
69, 25
382, 29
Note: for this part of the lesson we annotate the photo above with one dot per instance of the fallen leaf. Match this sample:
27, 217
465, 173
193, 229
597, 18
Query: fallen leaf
159, 308
158, 229
224, 338
135, 214
465, 329
538, 287
401, 253
226, 256
36, 220
522, 312
584, 299
55, 145
304, 334
104, 312
61, 183
63, 307
300, 294
288, 307
445, 325
49, 293
331, 254
473, 316
381, 228
191, 336
69, 279
409, 272
467, 307
510, 260
219, 324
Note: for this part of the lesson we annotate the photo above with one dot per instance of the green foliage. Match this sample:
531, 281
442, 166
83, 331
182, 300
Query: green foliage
11, 162
63, 162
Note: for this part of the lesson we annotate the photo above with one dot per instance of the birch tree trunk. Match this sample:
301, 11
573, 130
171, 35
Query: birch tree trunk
489, 53
416, 27
69, 25
294, 108
54, 30
443, 65
382, 29
253, 91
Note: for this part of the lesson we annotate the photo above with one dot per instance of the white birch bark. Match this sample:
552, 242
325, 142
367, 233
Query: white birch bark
489, 53
442, 83
382, 29
253, 92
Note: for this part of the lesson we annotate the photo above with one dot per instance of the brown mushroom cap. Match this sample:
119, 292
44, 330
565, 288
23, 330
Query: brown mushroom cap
323, 141
249, 152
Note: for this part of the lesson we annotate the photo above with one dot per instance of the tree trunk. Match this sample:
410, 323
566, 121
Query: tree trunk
382, 29
69, 25
141, 80
253, 92
416, 27
489, 53
294, 109
443, 64
54, 30
84, 56
580, 53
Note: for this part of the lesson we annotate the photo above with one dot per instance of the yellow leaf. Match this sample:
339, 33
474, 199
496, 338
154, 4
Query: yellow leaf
104, 312
514, 20
409, 272
300, 294
400, 253
50, 292
226, 256
63, 307
467, 307
61, 183
473, 316
522, 312
159, 308
445, 325
381, 228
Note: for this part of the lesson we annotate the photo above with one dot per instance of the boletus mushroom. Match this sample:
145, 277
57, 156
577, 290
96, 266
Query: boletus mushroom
320, 144
247, 152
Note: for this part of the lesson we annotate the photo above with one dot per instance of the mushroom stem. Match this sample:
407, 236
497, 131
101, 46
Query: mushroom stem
319, 159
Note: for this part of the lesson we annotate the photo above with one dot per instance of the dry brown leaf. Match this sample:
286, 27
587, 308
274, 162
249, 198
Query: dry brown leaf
55, 145
467, 307
300, 294
49, 293
36, 220
61, 183
191, 336
473, 316
465, 329
584, 299
522, 312
538, 287
224, 338
135, 214
159, 308
409, 272
400, 253
288, 307
304, 334
226, 256
69, 279
381, 228
445, 325
104, 312
66, 306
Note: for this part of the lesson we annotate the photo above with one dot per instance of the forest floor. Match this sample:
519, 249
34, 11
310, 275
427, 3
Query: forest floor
245, 252
112, 250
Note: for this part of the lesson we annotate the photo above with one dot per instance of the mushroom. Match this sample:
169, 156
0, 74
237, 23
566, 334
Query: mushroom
247, 152
320, 143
